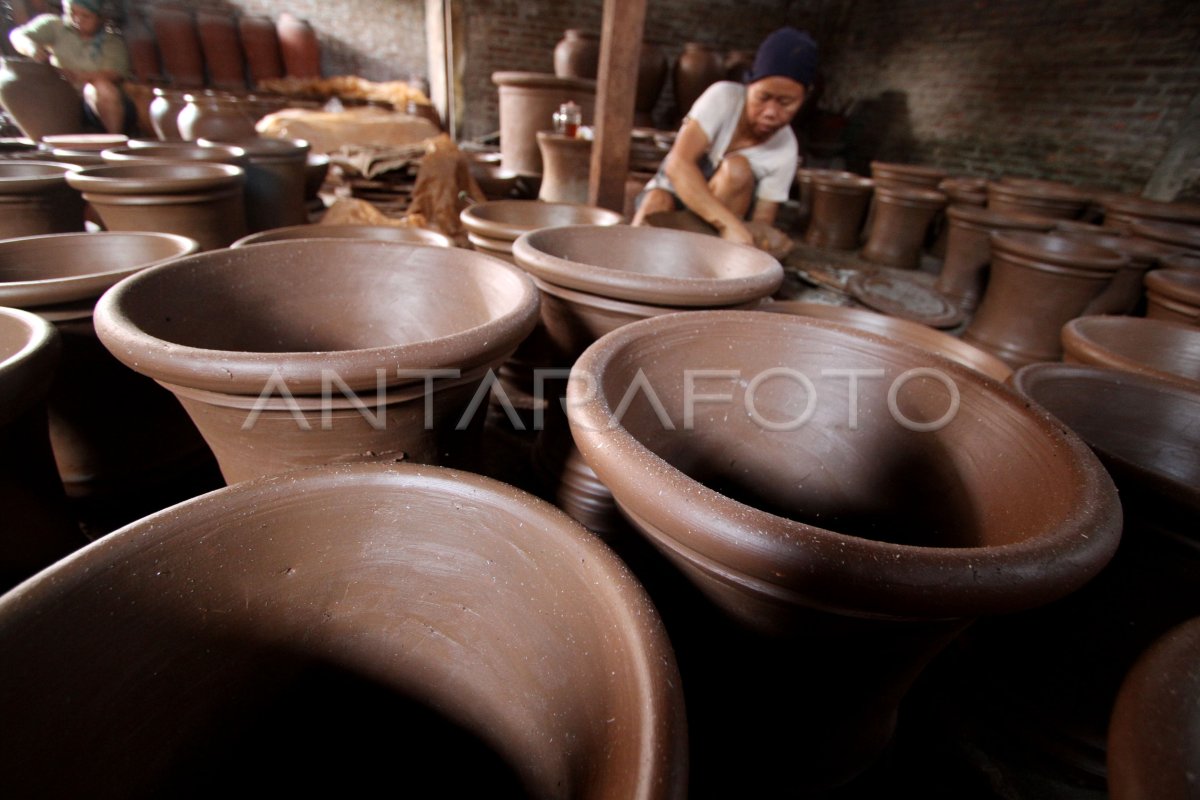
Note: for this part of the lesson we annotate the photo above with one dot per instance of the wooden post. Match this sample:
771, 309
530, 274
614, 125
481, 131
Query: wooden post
444, 41
616, 92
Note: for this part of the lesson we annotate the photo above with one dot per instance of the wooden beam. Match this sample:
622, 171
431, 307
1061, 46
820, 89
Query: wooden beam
616, 92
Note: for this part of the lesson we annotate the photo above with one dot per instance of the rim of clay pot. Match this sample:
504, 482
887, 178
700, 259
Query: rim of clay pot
163, 177
911, 196
489, 245
1078, 226
1184, 261
805, 174
479, 600
1048, 553
542, 80
85, 142
29, 350
1038, 189
1143, 253
183, 151
264, 148
1171, 233
78, 158
659, 266
964, 184
1179, 284
70, 267
507, 219
33, 176
1129, 205
844, 184
555, 139
384, 233
1164, 349
904, 330
1058, 251
891, 169
158, 323
991, 219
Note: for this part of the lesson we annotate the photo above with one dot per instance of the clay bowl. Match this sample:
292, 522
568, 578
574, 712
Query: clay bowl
1185, 237
903, 330
269, 346
493, 226
181, 151
1173, 294
283, 633
1159, 348
35, 199
848, 524
386, 233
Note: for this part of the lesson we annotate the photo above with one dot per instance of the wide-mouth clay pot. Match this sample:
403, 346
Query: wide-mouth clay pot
1032, 196
892, 174
1173, 294
305, 352
384, 233
1120, 211
1155, 347
1186, 237
969, 248
180, 151
846, 515
287, 631
498, 223
903, 330
35, 199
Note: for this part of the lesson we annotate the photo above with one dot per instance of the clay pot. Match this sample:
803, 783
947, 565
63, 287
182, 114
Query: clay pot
176, 151
737, 64
902, 330
1184, 261
1162, 349
969, 248
260, 41
84, 142
699, 66
493, 226
1173, 294
37, 97
1183, 237
965, 191
37, 530
275, 180
1042, 198
528, 101
652, 75
1122, 210
298, 46
577, 55
566, 164
1038, 282
496, 182
113, 432
1152, 740
834, 548
906, 175
395, 610
179, 44
839, 203
386, 233
35, 199
222, 50
144, 61
804, 176
1124, 295
164, 111
214, 117
269, 346
201, 201
900, 221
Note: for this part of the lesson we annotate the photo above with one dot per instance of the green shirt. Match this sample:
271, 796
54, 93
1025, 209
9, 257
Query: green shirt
70, 51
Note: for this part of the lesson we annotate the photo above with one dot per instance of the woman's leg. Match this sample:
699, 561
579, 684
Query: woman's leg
656, 200
108, 103
733, 185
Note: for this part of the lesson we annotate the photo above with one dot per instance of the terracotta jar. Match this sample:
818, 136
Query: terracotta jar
260, 41
297, 353
164, 113
821, 539
39, 100
1172, 234
179, 45
35, 199
577, 55
275, 180
698, 67
1168, 351
493, 226
900, 221
113, 432
1122, 210
1173, 294
222, 49
1152, 741
335, 618
566, 164
1124, 295
215, 117
386, 233
528, 101
298, 46
1042, 198
839, 203
194, 199
176, 151
963, 276
906, 175
1038, 282
37, 529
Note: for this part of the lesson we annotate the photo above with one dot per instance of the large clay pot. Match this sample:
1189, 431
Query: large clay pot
1173, 294
969, 248
566, 165
179, 44
1158, 348
298, 46
176, 151
113, 432
699, 66
912, 176
37, 529
35, 199
270, 346
1172, 234
37, 97
222, 49
194, 199
577, 55
1042, 198
901, 218
1124, 295
528, 101
385, 233
275, 180
288, 633
804, 178
1122, 210
1152, 740
837, 534
215, 117
493, 226
839, 203
164, 113
260, 40
1038, 282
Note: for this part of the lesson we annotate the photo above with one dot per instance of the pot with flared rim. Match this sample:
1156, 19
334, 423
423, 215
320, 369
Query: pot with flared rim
181, 151
1159, 348
1044, 198
386, 233
1178, 235
900, 219
894, 174
1120, 211
1125, 294
36, 199
969, 248
839, 203
1173, 294
505, 220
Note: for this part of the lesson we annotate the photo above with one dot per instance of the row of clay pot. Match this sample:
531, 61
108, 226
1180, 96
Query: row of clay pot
179, 115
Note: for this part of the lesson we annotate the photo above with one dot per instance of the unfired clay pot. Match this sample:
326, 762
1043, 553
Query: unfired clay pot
179, 45
216, 117
287, 633
1173, 294
176, 151
1184, 260
577, 54
901, 218
260, 40
35, 199
839, 203
804, 178
223, 55
493, 226
1042, 198
275, 180
1159, 348
297, 353
38, 98
193, 199
164, 111
299, 47
969, 248
1122, 210
965, 191
1184, 237
838, 538
1038, 282
386, 233
1124, 295
906, 175
566, 164
528, 101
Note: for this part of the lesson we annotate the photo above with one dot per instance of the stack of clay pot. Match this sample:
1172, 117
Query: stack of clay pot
528, 101
35, 199
492, 227
577, 55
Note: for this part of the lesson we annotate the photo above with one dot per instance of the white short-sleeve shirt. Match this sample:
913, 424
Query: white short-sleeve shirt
773, 162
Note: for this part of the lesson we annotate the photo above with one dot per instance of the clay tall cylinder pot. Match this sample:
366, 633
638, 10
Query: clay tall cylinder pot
1037, 283
201, 201
303, 632
179, 45
969, 248
900, 221
528, 101
298, 353
1173, 294
37, 97
839, 203
821, 540
35, 199
223, 55
906, 175
566, 164
1041, 198
275, 180
698, 67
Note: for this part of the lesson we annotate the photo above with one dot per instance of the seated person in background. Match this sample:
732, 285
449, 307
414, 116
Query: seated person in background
93, 59
735, 153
